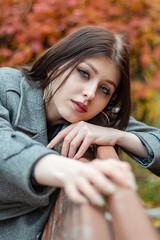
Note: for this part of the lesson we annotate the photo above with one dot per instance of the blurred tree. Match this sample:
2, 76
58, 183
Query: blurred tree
28, 27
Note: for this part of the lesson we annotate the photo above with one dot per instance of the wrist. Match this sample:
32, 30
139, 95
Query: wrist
46, 172
120, 137
53, 170
38, 188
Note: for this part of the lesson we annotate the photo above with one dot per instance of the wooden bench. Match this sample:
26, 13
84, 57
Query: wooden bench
69, 221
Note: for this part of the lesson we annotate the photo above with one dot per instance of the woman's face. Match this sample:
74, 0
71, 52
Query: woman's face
86, 92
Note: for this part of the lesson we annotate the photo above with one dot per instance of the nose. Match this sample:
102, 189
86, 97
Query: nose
89, 91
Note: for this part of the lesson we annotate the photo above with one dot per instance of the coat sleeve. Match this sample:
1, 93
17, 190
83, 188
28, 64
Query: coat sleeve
19, 153
150, 137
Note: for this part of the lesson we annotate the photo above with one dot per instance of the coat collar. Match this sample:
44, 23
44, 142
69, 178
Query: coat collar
31, 113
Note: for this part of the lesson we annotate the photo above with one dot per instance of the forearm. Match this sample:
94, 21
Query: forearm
131, 143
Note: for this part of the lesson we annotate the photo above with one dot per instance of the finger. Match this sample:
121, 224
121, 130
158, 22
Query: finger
99, 180
124, 179
131, 182
110, 164
74, 195
83, 148
89, 191
79, 139
60, 136
117, 171
103, 184
68, 144
74, 145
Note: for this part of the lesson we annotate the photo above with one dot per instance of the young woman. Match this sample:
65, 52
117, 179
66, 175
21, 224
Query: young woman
73, 86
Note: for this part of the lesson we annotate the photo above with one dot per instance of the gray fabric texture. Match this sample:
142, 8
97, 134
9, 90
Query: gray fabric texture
150, 137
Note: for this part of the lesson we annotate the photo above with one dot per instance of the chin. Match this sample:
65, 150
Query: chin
72, 120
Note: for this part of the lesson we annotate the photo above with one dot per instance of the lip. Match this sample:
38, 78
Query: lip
79, 106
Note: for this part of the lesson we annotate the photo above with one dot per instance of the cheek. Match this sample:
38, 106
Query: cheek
101, 103
70, 87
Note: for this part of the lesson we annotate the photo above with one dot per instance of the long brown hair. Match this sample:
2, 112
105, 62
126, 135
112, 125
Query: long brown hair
87, 42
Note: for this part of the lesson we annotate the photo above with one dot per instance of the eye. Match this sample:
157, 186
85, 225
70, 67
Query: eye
83, 73
105, 90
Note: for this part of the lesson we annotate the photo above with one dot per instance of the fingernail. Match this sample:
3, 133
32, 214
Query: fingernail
84, 200
98, 200
132, 185
49, 145
111, 189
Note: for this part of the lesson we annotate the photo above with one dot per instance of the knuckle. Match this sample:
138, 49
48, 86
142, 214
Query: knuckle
66, 139
112, 161
96, 162
84, 171
69, 191
81, 123
79, 181
127, 165
84, 130
71, 197
72, 144
92, 170
89, 135
83, 149
88, 171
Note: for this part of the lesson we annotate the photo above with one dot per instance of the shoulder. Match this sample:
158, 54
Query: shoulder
10, 78
10, 71
10, 82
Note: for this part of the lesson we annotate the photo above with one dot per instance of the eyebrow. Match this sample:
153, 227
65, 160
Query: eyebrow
96, 71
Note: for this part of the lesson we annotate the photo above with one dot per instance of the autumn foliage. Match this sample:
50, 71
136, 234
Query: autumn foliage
28, 27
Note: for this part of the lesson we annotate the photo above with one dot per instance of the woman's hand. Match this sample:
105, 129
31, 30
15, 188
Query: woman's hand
96, 178
84, 182
82, 135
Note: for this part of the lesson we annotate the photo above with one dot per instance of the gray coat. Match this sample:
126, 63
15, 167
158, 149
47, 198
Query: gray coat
23, 139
